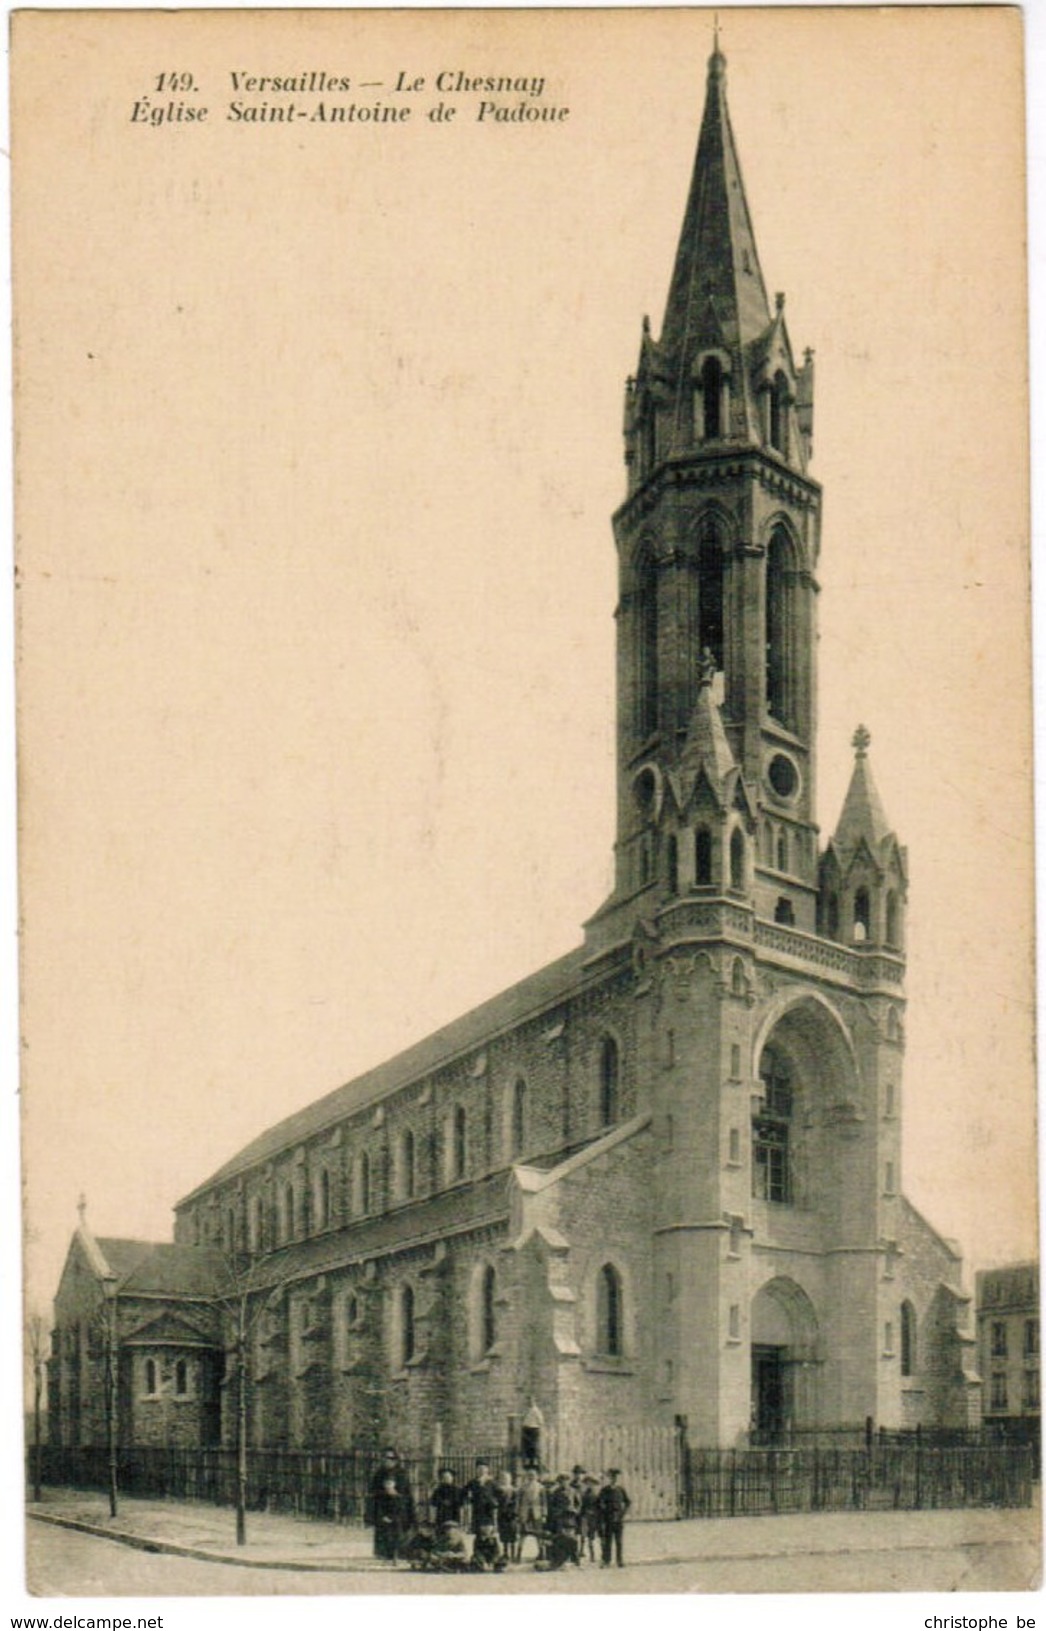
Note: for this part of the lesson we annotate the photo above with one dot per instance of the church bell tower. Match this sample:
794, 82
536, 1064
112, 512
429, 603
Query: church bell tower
768, 971
717, 544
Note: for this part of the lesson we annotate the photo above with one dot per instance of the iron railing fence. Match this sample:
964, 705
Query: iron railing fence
901, 1477
887, 1473
333, 1484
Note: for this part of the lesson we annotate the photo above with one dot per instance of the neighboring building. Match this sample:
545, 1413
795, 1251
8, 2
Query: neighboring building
661, 1178
1008, 1348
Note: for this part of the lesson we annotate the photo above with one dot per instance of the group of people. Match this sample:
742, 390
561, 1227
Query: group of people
483, 1526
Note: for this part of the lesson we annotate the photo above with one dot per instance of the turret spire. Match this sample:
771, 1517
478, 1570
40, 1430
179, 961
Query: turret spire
716, 260
863, 815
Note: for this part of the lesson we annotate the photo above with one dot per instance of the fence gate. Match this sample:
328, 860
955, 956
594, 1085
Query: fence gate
648, 1457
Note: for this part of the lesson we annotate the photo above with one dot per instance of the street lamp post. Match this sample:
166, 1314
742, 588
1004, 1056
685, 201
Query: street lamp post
111, 1385
36, 1354
241, 1423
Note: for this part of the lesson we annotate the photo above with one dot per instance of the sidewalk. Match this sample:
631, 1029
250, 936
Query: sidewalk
282, 1541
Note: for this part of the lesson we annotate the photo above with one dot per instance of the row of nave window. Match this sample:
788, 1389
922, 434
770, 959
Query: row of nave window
408, 1166
350, 1322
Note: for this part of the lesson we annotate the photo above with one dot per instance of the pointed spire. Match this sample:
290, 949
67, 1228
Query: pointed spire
863, 815
716, 259
706, 743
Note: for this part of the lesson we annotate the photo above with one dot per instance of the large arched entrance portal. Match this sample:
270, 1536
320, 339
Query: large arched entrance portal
805, 1066
784, 1362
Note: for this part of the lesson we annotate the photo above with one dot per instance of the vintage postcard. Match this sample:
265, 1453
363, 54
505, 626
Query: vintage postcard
524, 709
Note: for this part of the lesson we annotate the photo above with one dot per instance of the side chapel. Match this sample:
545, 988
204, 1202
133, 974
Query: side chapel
661, 1178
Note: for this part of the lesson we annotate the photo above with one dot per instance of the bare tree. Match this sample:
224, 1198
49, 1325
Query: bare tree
244, 1299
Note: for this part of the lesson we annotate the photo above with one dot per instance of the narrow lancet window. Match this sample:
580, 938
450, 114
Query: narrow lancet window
780, 633
519, 1117
712, 398
737, 859
710, 595
771, 1131
703, 856
608, 1082
609, 1312
648, 636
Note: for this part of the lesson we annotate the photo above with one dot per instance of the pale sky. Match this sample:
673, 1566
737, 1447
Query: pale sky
320, 439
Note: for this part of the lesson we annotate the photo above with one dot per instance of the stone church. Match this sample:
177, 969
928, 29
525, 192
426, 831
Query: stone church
659, 1180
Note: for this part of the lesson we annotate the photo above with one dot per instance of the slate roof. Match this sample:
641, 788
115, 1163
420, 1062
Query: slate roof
862, 815
716, 260
510, 1008
123, 1256
177, 1271
161, 1269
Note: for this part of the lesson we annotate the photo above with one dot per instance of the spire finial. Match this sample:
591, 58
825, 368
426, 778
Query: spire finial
862, 741
81, 1207
717, 61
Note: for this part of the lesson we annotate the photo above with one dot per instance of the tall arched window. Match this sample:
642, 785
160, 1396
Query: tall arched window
780, 634
647, 620
608, 1082
150, 1376
737, 859
323, 1199
519, 1117
710, 593
407, 1334
782, 851
771, 1130
909, 1355
288, 1212
712, 398
364, 1185
181, 1378
488, 1310
459, 1149
609, 1312
672, 863
702, 856
862, 915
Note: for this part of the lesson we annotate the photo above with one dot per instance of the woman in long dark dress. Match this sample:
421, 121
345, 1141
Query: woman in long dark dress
392, 1521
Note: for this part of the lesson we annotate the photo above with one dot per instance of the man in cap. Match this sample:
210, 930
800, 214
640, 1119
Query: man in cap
613, 1504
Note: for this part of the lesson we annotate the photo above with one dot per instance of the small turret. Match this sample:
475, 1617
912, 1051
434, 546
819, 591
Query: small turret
708, 818
864, 871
